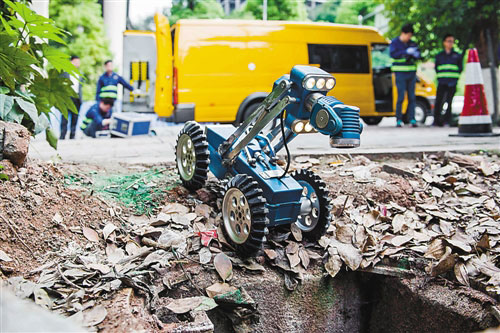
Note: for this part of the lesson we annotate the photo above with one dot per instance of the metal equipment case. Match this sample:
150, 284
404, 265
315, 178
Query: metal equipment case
130, 124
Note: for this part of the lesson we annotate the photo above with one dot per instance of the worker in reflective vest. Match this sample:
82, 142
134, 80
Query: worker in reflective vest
404, 53
107, 86
448, 68
98, 117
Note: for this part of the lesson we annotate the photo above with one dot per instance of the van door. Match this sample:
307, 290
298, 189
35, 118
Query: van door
164, 68
382, 78
139, 63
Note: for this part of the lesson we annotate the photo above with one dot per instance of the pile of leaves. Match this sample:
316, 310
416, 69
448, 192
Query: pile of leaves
28, 88
443, 227
447, 228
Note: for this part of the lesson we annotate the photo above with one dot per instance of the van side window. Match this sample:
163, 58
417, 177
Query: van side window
340, 58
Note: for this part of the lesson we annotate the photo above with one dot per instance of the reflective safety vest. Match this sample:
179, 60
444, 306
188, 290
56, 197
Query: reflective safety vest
448, 67
448, 70
403, 65
86, 122
109, 91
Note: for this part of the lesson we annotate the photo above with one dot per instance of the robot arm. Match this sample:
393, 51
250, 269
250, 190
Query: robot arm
302, 95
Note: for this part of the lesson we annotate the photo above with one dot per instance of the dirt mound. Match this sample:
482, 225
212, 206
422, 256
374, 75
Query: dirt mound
108, 268
40, 215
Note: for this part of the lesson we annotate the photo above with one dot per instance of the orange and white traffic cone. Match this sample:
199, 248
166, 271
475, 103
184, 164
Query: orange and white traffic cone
474, 119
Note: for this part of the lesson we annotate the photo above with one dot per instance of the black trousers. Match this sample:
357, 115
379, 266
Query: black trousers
74, 121
444, 94
92, 129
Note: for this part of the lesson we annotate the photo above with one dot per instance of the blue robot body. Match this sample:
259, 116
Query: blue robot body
282, 195
260, 194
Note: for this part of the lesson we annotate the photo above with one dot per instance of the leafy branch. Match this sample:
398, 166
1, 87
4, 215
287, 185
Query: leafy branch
31, 85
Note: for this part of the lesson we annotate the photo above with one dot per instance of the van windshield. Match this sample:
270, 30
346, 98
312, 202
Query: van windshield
380, 56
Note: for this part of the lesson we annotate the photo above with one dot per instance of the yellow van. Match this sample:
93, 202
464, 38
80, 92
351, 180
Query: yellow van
220, 70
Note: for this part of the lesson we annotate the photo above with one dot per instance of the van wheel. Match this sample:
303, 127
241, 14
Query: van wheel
372, 120
421, 112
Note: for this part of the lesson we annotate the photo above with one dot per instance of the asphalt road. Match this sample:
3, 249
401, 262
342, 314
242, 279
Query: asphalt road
384, 138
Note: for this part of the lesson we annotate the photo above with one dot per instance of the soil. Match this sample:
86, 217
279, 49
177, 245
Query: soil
40, 214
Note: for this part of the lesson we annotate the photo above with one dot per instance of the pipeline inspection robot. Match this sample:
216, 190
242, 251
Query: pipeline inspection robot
260, 194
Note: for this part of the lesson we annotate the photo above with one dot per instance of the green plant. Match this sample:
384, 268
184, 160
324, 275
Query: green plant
86, 39
206, 9
467, 20
30, 70
278, 9
3, 176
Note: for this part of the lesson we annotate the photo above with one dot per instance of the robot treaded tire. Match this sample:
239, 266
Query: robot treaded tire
244, 215
314, 217
192, 156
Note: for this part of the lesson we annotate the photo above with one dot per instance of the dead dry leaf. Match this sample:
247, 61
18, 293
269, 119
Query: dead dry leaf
333, 265
437, 193
57, 218
132, 248
108, 230
304, 257
94, 316
104, 269
296, 232
436, 249
344, 234
223, 266
114, 253
90, 234
271, 254
461, 241
292, 248
324, 242
349, 254
252, 265
474, 189
360, 236
184, 305
400, 240
205, 255
293, 258
446, 228
461, 274
486, 168
219, 288
4, 256
399, 223
445, 264
175, 208
370, 219
203, 210
161, 220
484, 242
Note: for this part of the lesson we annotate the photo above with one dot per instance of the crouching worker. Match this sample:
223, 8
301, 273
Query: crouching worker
98, 117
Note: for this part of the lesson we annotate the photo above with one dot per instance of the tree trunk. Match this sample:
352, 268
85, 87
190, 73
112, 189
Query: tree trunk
487, 45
